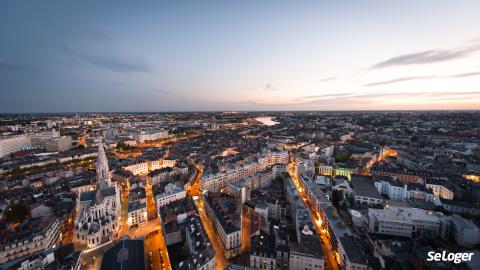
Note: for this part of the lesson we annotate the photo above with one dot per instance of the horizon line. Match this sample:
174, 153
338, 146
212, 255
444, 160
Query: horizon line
242, 111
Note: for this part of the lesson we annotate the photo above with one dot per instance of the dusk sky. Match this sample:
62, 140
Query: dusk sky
64, 56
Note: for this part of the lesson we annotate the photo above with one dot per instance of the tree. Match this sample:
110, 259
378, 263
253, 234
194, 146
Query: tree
337, 197
340, 157
17, 212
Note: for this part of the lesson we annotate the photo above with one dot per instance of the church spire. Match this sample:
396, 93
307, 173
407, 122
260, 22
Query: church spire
103, 176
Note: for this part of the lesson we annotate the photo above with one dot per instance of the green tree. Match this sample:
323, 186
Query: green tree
337, 197
17, 212
340, 157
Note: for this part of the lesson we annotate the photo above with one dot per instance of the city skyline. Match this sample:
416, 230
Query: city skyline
268, 56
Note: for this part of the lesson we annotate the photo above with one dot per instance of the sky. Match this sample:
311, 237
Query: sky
81, 56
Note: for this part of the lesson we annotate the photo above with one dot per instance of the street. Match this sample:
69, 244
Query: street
330, 256
246, 231
220, 260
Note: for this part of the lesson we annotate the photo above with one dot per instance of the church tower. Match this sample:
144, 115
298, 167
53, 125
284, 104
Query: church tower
103, 176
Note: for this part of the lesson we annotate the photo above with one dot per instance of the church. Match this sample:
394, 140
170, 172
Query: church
98, 210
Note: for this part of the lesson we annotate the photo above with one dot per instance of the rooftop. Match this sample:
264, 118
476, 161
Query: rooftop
225, 208
126, 254
363, 187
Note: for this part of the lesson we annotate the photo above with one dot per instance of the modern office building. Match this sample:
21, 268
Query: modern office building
42, 139
9, 145
59, 144
407, 222
465, 232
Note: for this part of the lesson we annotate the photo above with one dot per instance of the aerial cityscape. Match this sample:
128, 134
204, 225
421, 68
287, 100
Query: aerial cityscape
204, 135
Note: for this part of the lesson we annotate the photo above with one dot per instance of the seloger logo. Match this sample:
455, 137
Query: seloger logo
449, 257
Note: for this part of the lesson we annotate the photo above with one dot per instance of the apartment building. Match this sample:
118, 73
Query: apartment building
223, 211
29, 237
217, 181
137, 214
441, 189
171, 193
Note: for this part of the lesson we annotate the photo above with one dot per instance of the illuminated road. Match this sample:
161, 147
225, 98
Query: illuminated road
386, 152
157, 243
151, 205
246, 231
167, 141
153, 244
332, 263
83, 139
152, 231
194, 191
220, 260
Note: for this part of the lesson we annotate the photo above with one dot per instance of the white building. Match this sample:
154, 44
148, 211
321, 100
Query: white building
308, 253
202, 255
397, 191
465, 232
42, 139
440, 189
14, 144
386, 221
172, 193
222, 209
305, 166
59, 144
98, 210
160, 175
60, 257
394, 190
151, 135
365, 192
408, 222
137, 214
327, 151
217, 181
146, 166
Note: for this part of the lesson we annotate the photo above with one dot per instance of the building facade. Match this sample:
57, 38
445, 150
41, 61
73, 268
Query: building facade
98, 210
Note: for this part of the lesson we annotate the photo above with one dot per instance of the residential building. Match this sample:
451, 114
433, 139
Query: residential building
171, 193
150, 135
351, 253
262, 252
62, 257
217, 181
223, 211
364, 192
137, 214
29, 237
